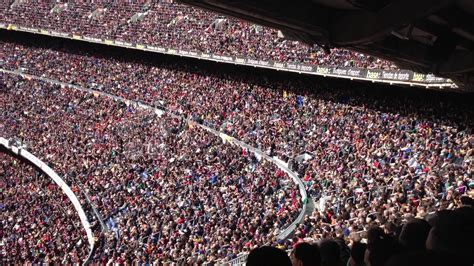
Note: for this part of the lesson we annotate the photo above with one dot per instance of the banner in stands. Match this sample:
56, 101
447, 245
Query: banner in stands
404, 76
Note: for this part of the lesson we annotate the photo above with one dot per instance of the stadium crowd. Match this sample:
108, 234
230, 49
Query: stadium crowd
172, 25
166, 190
38, 224
443, 238
373, 160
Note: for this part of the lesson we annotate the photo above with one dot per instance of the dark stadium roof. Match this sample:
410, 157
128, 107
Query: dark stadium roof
423, 35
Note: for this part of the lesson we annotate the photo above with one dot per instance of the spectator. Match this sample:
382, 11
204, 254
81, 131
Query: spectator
414, 233
424, 257
305, 254
330, 253
269, 256
380, 250
357, 254
452, 233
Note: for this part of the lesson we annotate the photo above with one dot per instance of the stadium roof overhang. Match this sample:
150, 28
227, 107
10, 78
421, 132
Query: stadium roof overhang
422, 35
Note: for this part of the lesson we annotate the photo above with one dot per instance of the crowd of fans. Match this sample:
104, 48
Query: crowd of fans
167, 191
172, 25
38, 224
444, 238
369, 160
377, 162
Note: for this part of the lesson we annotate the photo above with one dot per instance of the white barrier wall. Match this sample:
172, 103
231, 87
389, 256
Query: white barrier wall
58, 180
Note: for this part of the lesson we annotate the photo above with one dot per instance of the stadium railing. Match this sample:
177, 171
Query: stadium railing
18, 151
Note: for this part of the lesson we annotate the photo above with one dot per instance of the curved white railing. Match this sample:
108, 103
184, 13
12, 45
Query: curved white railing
285, 232
58, 180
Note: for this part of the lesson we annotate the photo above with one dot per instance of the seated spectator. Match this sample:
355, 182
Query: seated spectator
305, 254
452, 233
467, 201
375, 233
380, 249
330, 253
414, 233
425, 257
357, 254
268, 256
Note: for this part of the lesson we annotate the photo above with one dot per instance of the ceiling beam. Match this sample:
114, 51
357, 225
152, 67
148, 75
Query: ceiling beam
458, 62
410, 52
362, 26
304, 17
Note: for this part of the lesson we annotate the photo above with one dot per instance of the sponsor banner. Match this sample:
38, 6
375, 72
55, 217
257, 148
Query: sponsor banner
307, 68
122, 43
356, 72
91, 39
340, 71
252, 61
402, 75
291, 66
279, 65
182, 52
60, 34
157, 49
296, 67
323, 70
430, 78
28, 29
222, 57
187, 53
418, 77
349, 72
153, 48
373, 74
227, 58
240, 60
